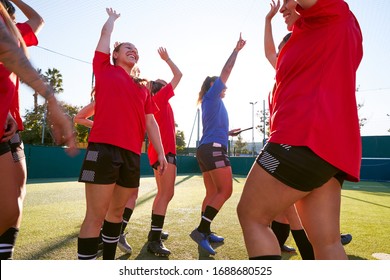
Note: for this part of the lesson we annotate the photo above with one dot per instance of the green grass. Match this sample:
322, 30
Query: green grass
53, 213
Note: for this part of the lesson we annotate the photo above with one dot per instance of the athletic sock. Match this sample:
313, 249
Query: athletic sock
7, 243
267, 257
281, 231
110, 235
156, 227
207, 217
126, 218
303, 244
87, 248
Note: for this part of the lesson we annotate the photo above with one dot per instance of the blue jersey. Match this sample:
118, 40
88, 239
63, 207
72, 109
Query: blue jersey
215, 119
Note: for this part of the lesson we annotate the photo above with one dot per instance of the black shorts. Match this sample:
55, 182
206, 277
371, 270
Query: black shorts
17, 147
212, 156
171, 158
297, 166
4, 148
108, 164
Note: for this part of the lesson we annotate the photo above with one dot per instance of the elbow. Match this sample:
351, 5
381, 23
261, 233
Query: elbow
179, 75
41, 21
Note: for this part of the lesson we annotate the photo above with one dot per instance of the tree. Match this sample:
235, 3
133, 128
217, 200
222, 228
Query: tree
52, 77
180, 142
239, 146
264, 119
362, 121
34, 121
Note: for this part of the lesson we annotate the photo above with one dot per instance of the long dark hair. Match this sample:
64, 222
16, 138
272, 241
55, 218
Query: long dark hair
205, 87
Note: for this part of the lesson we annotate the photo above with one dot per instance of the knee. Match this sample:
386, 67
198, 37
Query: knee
226, 192
167, 194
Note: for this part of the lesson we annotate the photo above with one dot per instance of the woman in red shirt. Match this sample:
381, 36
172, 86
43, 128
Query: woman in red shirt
111, 168
12, 59
314, 97
162, 93
28, 31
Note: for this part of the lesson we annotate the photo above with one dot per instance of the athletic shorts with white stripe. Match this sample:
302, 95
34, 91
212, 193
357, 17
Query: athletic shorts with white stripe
297, 166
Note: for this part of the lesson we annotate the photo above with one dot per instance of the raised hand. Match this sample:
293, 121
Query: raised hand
273, 10
163, 53
112, 13
240, 44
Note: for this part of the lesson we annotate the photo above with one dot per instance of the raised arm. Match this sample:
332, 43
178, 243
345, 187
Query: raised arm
35, 21
84, 114
175, 70
105, 36
306, 4
269, 44
227, 69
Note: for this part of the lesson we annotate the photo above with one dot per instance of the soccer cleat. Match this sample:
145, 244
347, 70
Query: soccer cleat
346, 238
123, 245
158, 249
202, 240
288, 249
164, 235
213, 238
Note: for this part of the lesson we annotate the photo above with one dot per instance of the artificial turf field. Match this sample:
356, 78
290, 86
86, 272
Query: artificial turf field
54, 210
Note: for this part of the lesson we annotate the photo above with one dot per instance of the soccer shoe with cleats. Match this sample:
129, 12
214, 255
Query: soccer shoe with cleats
123, 245
346, 238
158, 249
287, 249
213, 238
164, 235
202, 240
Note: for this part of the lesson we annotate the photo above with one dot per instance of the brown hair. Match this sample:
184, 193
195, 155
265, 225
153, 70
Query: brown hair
205, 87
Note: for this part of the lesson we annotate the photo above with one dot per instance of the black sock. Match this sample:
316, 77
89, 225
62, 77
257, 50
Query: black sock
7, 243
208, 216
156, 227
87, 248
267, 257
126, 218
303, 244
281, 231
110, 235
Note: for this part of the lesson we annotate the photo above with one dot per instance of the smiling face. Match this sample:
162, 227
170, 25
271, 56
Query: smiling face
125, 54
289, 14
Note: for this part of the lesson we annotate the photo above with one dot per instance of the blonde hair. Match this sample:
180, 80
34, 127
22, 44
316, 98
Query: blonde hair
13, 29
205, 87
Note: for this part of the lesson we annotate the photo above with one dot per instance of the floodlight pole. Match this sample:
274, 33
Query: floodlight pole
253, 127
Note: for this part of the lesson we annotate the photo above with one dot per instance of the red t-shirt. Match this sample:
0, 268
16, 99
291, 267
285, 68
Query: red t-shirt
120, 106
9, 84
7, 90
314, 102
31, 40
166, 123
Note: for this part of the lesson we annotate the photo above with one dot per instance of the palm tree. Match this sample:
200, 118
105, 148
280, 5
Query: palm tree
36, 93
54, 78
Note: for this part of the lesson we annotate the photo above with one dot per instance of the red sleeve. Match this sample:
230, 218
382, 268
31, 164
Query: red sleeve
163, 95
100, 61
27, 33
150, 106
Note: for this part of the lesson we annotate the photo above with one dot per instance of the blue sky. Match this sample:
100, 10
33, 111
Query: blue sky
199, 36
